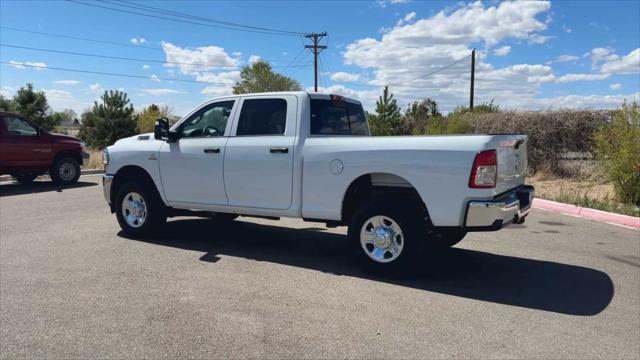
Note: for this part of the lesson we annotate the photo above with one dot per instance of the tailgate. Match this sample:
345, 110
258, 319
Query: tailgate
512, 161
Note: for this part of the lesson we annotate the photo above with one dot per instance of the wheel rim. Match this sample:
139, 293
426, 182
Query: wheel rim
382, 239
67, 171
134, 209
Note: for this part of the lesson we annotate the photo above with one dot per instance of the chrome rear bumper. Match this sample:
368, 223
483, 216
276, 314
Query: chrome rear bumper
494, 214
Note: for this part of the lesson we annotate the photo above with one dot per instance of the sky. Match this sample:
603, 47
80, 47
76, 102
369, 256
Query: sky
529, 55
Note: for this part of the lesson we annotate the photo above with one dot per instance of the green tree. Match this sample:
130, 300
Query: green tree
148, 116
386, 121
108, 121
7, 104
618, 152
418, 116
259, 77
33, 105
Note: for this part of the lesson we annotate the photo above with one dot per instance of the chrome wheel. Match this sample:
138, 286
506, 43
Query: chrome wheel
382, 239
134, 209
67, 171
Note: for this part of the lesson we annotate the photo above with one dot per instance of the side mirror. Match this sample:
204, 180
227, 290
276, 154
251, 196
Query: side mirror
162, 132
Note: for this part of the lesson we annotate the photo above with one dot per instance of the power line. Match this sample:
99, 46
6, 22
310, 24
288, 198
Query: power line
178, 20
127, 58
431, 73
109, 73
79, 38
194, 17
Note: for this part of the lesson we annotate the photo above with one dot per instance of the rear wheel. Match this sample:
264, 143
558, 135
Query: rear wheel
389, 236
25, 179
139, 211
65, 171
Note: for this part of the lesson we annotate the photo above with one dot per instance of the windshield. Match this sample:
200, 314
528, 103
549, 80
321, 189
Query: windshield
337, 118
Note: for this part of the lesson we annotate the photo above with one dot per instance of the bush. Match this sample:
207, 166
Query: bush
617, 147
552, 134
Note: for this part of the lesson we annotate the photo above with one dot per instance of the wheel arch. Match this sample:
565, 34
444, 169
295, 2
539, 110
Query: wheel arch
128, 173
74, 154
365, 186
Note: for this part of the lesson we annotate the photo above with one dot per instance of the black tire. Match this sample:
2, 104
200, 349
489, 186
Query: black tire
65, 171
442, 239
25, 179
155, 211
410, 220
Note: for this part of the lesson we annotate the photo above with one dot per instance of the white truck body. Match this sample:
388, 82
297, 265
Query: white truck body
245, 178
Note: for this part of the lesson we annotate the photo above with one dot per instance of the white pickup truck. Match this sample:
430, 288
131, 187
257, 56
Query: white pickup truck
311, 156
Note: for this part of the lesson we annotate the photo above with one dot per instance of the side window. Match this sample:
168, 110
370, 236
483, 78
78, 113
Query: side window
262, 117
19, 127
209, 121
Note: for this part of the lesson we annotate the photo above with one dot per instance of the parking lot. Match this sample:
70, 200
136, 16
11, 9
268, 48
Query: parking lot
71, 286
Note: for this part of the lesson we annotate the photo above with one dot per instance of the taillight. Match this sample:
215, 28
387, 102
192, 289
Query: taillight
484, 170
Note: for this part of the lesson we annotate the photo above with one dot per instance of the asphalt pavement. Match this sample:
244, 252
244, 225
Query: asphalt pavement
72, 286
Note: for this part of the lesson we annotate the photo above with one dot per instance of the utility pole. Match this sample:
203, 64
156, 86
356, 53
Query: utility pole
473, 77
316, 49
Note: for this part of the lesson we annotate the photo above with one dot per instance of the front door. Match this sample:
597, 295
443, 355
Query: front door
24, 148
191, 168
258, 165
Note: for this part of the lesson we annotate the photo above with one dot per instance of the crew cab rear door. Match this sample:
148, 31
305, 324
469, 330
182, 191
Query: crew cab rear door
258, 163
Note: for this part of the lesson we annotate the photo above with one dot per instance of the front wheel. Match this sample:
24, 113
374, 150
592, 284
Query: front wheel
65, 171
388, 235
139, 211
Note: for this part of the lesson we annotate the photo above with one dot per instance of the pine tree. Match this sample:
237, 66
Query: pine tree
387, 119
109, 121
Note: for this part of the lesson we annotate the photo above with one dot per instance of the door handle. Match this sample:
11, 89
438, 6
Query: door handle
279, 150
212, 150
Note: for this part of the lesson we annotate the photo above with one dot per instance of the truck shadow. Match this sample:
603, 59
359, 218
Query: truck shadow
528, 283
12, 189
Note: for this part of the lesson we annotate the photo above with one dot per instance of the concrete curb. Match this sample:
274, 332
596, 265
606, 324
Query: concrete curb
82, 172
587, 213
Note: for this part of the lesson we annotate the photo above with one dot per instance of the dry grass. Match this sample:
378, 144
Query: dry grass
591, 193
94, 161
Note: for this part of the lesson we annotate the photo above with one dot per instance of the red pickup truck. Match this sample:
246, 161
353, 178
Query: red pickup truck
27, 151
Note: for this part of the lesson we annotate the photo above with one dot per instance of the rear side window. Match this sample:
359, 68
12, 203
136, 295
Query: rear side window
262, 117
330, 117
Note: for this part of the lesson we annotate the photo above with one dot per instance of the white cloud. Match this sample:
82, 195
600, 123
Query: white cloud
629, 64
407, 19
138, 40
154, 77
254, 59
161, 92
67, 82
383, 3
38, 66
539, 39
581, 77
566, 29
616, 86
502, 51
564, 58
236, 53
96, 88
62, 99
582, 101
7, 91
198, 59
599, 55
222, 83
347, 77
146, 67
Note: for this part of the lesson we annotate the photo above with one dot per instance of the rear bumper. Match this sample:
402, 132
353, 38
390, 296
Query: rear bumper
490, 215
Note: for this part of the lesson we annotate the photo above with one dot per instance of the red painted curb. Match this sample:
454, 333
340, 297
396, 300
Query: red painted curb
587, 213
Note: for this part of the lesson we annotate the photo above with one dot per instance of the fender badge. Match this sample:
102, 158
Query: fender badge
153, 157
